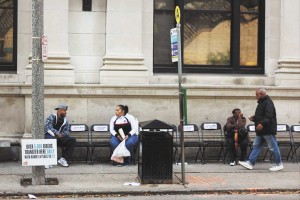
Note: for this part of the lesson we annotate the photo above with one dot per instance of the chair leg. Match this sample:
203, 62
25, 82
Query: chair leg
287, 157
203, 154
179, 158
199, 151
92, 155
221, 150
175, 153
264, 158
271, 156
87, 158
250, 146
294, 154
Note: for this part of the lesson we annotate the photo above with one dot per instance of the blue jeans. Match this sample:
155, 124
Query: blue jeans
129, 143
257, 146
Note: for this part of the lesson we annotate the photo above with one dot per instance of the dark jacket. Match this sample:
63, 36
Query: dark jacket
265, 114
51, 121
238, 124
233, 123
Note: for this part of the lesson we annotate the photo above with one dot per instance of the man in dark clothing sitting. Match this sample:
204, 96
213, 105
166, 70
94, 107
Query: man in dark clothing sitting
57, 126
236, 135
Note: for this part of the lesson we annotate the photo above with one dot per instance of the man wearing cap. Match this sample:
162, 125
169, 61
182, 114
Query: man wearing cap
57, 126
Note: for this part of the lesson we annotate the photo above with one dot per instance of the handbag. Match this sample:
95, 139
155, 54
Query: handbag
120, 152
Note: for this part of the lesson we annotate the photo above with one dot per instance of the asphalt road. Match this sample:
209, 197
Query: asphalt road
280, 196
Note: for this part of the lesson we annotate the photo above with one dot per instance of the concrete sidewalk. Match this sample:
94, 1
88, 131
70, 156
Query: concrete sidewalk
81, 178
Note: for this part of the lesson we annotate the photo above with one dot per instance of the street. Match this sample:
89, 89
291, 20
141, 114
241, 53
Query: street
280, 196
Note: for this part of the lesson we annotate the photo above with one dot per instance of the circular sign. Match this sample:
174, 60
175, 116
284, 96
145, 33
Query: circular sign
177, 14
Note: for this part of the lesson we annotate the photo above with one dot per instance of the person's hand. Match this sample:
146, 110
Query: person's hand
241, 115
259, 127
59, 135
119, 137
126, 137
251, 118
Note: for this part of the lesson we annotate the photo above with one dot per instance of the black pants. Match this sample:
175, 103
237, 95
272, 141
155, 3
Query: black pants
242, 142
233, 151
67, 144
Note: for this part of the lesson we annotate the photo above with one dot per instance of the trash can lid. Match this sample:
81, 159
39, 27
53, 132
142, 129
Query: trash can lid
155, 124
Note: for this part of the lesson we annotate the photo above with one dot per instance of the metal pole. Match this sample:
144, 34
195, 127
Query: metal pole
185, 119
181, 103
38, 172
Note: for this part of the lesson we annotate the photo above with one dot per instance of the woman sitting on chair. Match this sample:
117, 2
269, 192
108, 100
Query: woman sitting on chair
125, 123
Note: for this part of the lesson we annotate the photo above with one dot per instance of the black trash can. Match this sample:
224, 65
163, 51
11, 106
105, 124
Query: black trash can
155, 163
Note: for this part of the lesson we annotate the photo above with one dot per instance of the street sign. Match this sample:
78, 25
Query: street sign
174, 44
177, 14
39, 152
44, 49
44, 40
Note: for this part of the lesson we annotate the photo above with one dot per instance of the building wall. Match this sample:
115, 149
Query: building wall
87, 40
97, 60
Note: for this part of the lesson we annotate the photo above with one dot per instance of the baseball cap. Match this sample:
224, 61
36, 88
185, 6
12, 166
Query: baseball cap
62, 106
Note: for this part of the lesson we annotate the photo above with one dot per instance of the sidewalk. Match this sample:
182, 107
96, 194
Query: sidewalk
81, 178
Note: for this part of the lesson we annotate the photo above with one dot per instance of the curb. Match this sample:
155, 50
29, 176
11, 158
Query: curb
150, 193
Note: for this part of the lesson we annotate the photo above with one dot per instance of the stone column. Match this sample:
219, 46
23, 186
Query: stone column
58, 69
288, 72
123, 62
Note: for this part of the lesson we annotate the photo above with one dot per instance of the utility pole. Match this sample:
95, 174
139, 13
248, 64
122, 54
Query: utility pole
38, 172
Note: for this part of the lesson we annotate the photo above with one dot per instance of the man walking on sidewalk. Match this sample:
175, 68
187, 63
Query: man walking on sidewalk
57, 126
266, 127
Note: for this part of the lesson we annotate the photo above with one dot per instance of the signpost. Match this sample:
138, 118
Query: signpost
177, 57
44, 49
38, 172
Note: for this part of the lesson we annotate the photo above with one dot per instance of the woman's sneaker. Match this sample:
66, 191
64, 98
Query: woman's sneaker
276, 168
63, 162
232, 163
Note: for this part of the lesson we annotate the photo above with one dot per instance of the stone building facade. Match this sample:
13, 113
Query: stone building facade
105, 57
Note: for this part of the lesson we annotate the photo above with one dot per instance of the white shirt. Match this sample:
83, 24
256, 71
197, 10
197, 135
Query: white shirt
120, 120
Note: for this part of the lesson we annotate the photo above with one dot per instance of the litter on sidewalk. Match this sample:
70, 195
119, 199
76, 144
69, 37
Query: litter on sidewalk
31, 196
132, 183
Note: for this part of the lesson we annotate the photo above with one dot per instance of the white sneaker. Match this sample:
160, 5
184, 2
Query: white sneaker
48, 166
232, 163
276, 168
63, 162
246, 164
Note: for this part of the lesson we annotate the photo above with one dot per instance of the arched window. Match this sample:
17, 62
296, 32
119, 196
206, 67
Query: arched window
218, 36
8, 35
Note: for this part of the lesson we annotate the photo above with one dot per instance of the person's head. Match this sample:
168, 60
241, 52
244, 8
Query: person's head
236, 112
61, 110
121, 110
260, 93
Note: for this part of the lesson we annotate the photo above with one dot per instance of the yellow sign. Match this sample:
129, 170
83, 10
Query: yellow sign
177, 14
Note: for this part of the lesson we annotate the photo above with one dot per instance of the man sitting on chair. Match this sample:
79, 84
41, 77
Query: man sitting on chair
57, 126
236, 135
